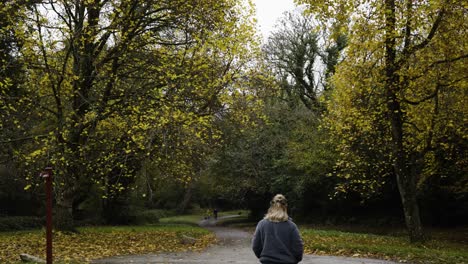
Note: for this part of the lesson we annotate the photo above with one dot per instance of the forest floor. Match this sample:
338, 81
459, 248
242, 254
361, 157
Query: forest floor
233, 246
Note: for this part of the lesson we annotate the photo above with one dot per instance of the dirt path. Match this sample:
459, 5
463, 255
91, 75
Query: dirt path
233, 247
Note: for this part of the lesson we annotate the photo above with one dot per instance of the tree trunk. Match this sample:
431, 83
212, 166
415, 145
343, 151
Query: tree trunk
144, 172
405, 179
187, 198
407, 188
64, 211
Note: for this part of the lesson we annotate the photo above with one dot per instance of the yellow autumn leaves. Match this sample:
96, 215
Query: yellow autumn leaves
93, 243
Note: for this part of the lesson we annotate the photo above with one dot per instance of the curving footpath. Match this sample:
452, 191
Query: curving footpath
233, 247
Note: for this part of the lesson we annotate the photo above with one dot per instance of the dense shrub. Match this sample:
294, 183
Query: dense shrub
151, 216
13, 223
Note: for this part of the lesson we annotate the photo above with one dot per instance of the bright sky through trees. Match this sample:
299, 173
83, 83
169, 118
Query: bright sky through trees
268, 11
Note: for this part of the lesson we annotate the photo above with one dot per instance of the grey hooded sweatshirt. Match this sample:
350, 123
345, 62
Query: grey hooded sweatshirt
277, 242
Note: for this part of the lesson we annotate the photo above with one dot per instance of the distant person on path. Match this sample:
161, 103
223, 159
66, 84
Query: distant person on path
277, 239
215, 213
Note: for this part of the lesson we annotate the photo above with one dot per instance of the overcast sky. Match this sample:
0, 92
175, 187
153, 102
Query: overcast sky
268, 11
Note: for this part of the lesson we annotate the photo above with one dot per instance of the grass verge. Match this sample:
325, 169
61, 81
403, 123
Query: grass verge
397, 248
98, 242
240, 221
194, 219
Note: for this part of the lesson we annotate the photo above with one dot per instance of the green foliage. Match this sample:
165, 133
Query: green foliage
164, 104
14, 200
285, 150
292, 51
396, 95
151, 216
274, 156
111, 86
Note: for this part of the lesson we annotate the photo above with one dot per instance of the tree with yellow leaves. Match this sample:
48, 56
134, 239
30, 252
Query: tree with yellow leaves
108, 78
400, 91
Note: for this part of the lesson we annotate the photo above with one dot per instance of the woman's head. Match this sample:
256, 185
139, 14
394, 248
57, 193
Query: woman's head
278, 211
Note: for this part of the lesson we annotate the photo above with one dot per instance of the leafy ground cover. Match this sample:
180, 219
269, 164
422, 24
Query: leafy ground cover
447, 246
97, 242
398, 248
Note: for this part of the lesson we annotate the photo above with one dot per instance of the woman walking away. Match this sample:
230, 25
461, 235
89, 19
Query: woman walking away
277, 239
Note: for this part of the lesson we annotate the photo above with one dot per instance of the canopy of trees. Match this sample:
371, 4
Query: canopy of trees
351, 109
111, 84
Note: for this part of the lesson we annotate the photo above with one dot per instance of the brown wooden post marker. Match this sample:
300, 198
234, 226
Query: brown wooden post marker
47, 174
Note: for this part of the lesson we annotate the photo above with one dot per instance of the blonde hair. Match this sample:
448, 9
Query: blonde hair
278, 211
